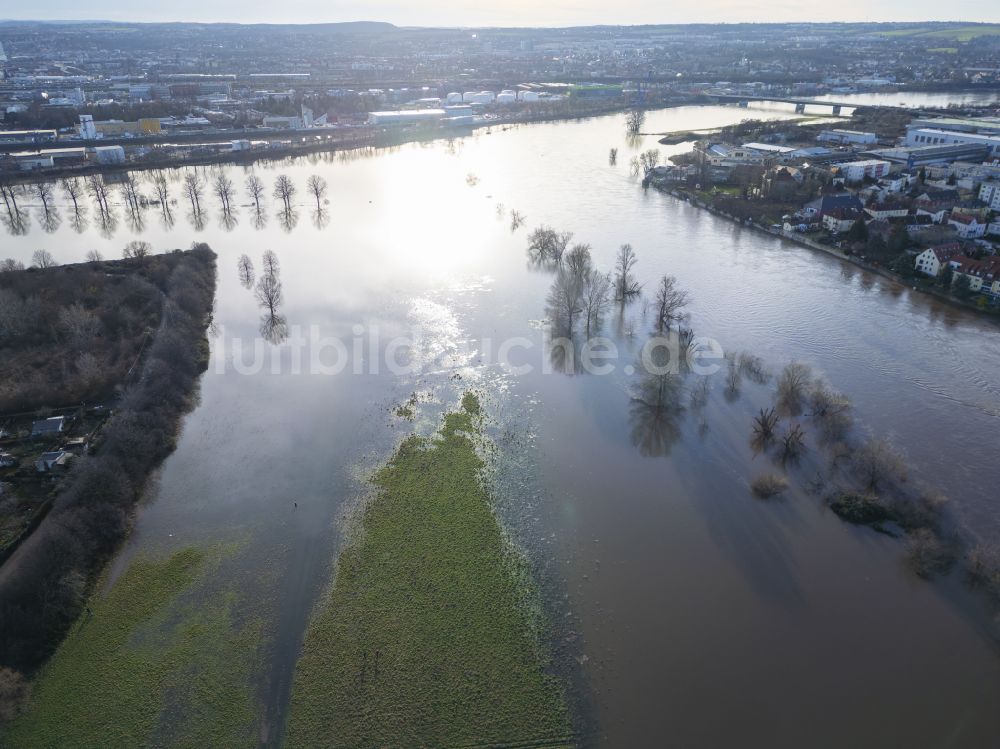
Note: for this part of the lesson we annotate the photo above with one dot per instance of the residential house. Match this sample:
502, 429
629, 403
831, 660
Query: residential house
50, 460
48, 427
840, 220
827, 203
989, 193
887, 209
983, 275
974, 207
933, 260
967, 227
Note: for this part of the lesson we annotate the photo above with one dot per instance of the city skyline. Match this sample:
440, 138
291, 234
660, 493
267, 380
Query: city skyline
517, 13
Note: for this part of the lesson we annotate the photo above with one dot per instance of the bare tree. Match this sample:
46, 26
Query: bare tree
245, 266
516, 220
255, 189
565, 300
877, 462
831, 410
634, 120
43, 191
317, 186
613, 156
130, 191
162, 189
793, 443
793, 384
43, 259
596, 297
670, 303
10, 264
546, 245
764, 424
268, 293
137, 250
79, 324
626, 286
649, 159
223, 187
73, 190
94, 256
578, 261
270, 262
193, 189
99, 191
284, 190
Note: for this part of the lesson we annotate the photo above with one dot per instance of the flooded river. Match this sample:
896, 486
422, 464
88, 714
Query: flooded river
690, 614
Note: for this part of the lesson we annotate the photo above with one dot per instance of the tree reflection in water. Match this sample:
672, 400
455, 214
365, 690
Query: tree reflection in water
656, 413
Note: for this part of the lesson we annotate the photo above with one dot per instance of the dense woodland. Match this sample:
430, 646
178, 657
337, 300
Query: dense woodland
43, 587
69, 335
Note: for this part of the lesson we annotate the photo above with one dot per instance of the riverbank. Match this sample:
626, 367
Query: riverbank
428, 636
367, 139
797, 238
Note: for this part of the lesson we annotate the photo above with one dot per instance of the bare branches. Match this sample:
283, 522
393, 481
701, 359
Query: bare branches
137, 250
193, 190
223, 188
43, 259
317, 187
284, 190
670, 303
246, 271
793, 385
255, 190
546, 246
626, 286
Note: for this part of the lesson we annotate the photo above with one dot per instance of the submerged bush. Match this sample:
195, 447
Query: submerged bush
926, 554
860, 509
768, 485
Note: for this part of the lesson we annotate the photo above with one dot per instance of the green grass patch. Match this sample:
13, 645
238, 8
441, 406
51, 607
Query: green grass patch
150, 666
427, 637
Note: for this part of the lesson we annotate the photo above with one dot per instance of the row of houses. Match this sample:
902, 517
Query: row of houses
981, 273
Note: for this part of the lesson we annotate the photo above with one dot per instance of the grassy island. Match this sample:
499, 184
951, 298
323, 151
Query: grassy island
427, 637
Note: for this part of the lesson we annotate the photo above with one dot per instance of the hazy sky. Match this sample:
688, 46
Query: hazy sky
506, 12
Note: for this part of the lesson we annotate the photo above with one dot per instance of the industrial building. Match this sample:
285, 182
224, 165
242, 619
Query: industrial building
405, 117
844, 137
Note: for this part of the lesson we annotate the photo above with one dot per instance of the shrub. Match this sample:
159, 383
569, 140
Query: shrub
860, 509
926, 554
768, 485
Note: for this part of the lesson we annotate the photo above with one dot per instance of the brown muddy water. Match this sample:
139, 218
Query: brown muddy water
690, 614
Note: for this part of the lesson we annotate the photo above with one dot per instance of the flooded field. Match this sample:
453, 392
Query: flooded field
685, 611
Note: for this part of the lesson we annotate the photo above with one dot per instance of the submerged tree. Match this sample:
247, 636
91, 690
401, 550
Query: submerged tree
73, 190
268, 293
270, 263
255, 190
546, 246
565, 300
626, 286
793, 385
245, 266
670, 303
193, 190
223, 187
634, 120
317, 187
596, 296
284, 190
